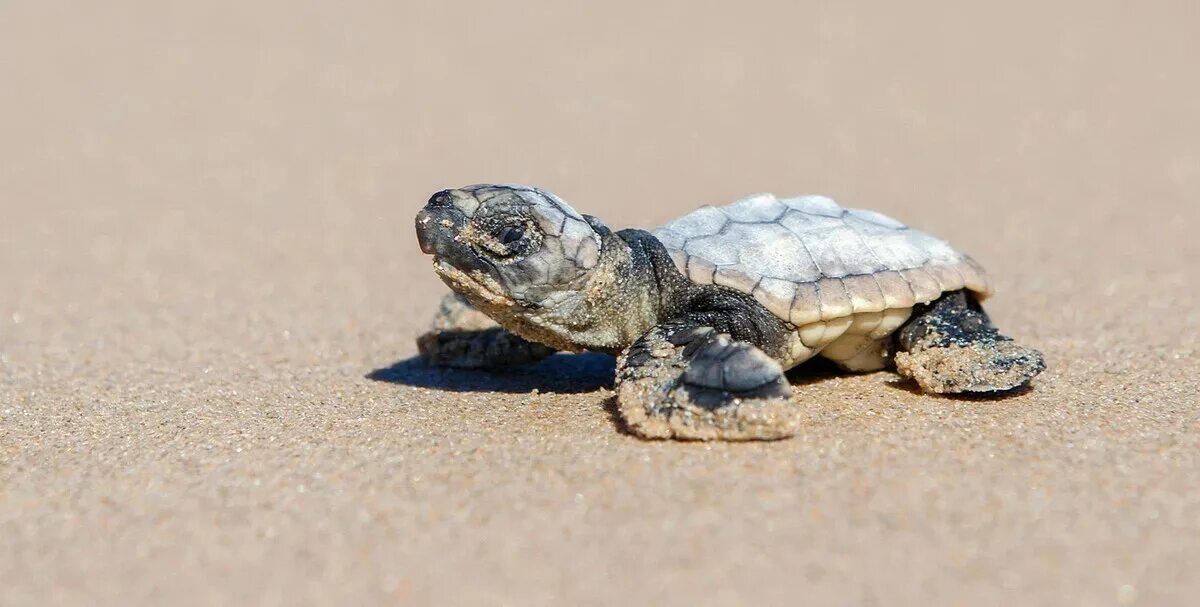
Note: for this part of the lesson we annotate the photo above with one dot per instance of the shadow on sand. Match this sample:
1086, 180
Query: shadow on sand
590, 371
813, 371
820, 369
910, 386
563, 373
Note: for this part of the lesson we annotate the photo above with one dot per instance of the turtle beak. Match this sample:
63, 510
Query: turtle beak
427, 231
438, 223
439, 229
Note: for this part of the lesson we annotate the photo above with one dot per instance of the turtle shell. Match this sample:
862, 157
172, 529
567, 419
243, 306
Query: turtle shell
808, 260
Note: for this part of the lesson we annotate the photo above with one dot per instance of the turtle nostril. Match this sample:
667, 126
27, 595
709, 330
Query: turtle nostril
440, 199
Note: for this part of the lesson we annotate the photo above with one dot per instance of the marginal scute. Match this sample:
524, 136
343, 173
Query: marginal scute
776, 295
865, 294
975, 278
896, 291
699, 270
925, 287
735, 279
835, 301
948, 279
679, 257
806, 304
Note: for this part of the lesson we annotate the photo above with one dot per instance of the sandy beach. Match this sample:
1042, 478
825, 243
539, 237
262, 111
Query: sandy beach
210, 290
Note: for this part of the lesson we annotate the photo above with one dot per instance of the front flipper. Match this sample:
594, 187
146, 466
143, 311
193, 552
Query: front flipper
952, 347
686, 381
461, 336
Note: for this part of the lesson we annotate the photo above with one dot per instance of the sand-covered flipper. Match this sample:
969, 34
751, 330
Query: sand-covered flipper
463, 337
686, 381
952, 347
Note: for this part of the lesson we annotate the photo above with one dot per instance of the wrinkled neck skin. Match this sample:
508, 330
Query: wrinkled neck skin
608, 308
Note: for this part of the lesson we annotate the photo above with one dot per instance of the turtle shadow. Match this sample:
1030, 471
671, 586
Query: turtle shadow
820, 370
560, 373
814, 371
612, 408
910, 386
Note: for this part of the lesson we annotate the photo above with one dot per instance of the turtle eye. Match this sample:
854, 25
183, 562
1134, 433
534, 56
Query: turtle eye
510, 234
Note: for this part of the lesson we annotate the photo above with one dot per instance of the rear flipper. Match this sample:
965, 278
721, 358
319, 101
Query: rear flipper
952, 347
464, 337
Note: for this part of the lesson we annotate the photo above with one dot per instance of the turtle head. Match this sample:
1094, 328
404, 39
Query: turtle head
512, 250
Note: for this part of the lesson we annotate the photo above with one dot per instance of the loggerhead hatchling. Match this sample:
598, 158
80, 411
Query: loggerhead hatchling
707, 312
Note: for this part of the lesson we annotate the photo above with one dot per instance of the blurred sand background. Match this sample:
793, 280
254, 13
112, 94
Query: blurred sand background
209, 290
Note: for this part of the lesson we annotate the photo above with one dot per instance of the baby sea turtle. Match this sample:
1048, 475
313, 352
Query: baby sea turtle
707, 312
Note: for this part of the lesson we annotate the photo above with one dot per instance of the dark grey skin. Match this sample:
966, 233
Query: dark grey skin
694, 361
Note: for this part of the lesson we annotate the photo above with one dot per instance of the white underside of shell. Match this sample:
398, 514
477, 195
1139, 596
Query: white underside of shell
855, 342
844, 277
